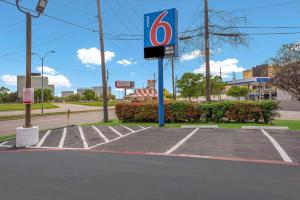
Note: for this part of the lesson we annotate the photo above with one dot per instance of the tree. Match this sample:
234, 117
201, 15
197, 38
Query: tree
73, 98
287, 69
47, 95
237, 92
4, 94
190, 85
13, 97
89, 95
217, 85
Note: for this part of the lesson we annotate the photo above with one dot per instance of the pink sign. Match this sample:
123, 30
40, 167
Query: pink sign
28, 95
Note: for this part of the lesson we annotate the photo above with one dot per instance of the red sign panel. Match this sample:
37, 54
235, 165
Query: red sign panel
124, 84
28, 95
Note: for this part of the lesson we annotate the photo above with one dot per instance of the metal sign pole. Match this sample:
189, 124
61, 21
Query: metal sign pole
161, 113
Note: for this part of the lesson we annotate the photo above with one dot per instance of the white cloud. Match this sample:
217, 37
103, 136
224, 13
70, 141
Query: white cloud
191, 56
47, 70
227, 66
55, 78
126, 62
92, 56
9, 79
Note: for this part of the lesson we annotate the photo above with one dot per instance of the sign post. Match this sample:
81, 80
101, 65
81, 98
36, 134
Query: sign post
160, 41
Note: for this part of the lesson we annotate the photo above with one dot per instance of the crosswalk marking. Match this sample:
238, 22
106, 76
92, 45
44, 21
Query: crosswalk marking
43, 138
114, 130
101, 134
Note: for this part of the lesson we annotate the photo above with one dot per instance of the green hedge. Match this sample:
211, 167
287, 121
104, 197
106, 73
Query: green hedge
181, 111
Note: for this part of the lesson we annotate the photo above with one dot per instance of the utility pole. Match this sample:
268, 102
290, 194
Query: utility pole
103, 67
207, 52
173, 82
28, 68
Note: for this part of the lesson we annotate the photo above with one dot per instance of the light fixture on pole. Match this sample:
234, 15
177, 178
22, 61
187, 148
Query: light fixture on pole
43, 59
28, 135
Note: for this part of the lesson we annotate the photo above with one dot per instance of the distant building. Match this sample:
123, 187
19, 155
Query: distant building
247, 74
99, 91
36, 83
65, 94
259, 71
80, 91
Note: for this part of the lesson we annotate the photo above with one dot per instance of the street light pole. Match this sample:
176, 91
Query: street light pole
40, 9
42, 59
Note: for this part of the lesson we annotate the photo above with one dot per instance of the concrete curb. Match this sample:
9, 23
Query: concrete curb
280, 128
202, 127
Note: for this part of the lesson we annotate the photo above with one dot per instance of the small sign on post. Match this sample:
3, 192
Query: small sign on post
28, 95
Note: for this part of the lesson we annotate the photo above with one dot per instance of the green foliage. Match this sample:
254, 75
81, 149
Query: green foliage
47, 95
190, 85
89, 95
217, 85
4, 95
73, 98
237, 92
181, 111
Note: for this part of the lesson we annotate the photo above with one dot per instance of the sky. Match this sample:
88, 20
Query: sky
76, 61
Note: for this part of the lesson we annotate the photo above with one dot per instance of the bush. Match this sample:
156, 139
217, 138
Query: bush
180, 111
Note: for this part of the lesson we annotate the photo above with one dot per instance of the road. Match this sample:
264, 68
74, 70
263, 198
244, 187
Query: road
9, 127
92, 175
62, 107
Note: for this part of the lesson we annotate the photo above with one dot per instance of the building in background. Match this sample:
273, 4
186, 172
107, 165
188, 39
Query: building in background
36, 83
247, 74
65, 94
99, 91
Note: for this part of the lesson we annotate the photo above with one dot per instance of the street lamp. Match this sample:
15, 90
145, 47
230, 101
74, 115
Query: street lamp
40, 9
42, 59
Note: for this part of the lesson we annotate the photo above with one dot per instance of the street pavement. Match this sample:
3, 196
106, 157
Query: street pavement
49, 122
289, 115
91, 175
62, 107
267, 146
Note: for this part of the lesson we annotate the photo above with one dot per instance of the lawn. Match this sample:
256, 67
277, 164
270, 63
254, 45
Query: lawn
5, 138
292, 124
94, 103
20, 106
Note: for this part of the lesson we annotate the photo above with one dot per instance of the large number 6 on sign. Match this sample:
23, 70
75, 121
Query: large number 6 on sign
158, 23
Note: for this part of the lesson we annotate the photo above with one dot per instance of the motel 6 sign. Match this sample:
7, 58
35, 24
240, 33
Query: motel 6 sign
161, 34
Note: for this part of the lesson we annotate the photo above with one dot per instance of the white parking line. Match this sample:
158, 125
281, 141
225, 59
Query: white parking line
97, 145
101, 134
4, 146
85, 144
141, 126
3, 143
128, 128
114, 130
62, 140
277, 146
43, 139
181, 142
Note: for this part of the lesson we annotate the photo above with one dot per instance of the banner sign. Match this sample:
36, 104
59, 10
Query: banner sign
124, 84
161, 34
28, 95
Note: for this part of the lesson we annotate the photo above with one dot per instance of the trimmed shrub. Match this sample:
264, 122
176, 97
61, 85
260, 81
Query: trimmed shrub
181, 111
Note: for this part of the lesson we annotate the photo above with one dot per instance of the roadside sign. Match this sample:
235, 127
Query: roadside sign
124, 84
161, 34
161, 41
28, 95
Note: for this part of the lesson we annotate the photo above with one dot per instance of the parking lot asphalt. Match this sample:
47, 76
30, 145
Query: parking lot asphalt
62, 175
233, 144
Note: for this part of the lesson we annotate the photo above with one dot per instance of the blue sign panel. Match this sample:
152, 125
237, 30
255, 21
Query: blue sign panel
161, 34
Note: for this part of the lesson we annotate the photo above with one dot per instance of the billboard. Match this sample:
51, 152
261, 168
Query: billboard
124, 84
161, 34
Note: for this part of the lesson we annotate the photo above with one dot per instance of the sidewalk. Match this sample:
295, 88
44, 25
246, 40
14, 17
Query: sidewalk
289, 115
62, 108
